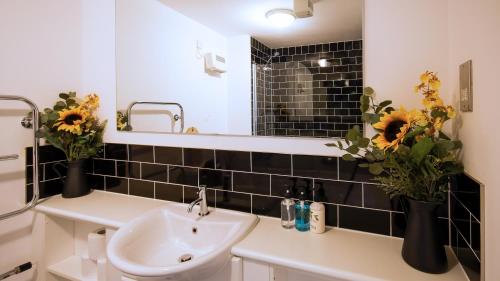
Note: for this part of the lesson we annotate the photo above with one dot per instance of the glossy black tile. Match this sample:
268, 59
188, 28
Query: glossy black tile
170, 192
48, 153
331, 215
364, 220
203, 158
266, 206
191, 194
461, 218
154, 172
344, 193
116, 151
50, 188
233, 201
272, 163
251, 183
398, 224
350, 170
470, 263
105, 167
279, 185
315, 166
376, 198
468, 191
475, 239
142, 188
117, 185
232, 160
168, 155
216, 179
54, 170
96, 181
140, 153
183, 175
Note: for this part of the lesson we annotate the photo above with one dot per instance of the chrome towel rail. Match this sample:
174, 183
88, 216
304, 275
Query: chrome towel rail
9, 157
176, 117
36, 193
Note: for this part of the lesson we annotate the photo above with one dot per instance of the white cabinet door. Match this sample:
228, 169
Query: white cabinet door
256, 271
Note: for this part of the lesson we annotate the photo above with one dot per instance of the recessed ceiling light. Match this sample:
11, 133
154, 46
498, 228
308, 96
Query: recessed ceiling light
281, 17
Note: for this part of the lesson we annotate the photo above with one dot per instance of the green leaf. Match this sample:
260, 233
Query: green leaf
72, 94
44, 118
368, 91
443, 136
52, 116
363, 142
382, 105
353, 134
331, 145
369, 157
71, 102
371, 118
365, 103
378, 154
375, 168
348, 157
421, 149
353, 149
389, 109
64, 96
364, 165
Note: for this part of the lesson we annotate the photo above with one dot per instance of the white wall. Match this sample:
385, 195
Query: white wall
475, 34
157, 61
239, 85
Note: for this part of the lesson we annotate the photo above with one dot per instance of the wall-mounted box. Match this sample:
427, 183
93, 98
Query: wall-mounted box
466, 87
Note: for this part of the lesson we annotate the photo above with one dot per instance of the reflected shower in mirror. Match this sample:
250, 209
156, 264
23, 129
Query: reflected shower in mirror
226, 67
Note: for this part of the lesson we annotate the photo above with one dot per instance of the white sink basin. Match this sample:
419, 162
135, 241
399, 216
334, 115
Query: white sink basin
153, 245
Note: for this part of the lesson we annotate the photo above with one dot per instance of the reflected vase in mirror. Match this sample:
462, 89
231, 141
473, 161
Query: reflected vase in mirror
423, 247
75, 183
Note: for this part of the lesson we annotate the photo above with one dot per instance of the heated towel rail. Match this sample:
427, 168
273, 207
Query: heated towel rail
34, 127
176, 117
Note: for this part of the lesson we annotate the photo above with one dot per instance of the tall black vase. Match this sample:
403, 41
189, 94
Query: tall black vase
423, 247
75, 184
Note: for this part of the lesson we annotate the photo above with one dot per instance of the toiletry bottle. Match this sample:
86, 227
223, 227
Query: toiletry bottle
317, 220
302, 212
288, 211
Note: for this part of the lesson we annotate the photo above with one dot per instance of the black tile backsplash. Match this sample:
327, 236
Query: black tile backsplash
255, 182
465, 217
303, 86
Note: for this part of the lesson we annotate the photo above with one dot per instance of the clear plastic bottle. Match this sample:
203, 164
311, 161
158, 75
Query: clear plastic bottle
302, 213
288, 211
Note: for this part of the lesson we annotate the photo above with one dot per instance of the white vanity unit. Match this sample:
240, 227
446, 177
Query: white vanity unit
267, 253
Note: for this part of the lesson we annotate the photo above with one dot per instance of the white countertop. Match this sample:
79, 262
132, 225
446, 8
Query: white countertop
339, 253
105, 208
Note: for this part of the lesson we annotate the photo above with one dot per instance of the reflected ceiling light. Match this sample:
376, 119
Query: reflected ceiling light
323, 63
281, 17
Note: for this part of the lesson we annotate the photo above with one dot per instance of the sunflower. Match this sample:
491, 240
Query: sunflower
70, 120
91, 102
393, 127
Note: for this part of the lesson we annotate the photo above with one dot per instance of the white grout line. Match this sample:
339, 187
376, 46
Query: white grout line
466, 242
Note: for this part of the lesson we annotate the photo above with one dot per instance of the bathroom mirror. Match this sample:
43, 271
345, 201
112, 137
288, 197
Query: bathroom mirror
284, 68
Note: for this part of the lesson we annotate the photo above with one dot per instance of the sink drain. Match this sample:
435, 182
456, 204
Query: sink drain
185, 258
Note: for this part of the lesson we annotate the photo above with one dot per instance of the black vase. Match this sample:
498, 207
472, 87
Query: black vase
75, 184
423, 247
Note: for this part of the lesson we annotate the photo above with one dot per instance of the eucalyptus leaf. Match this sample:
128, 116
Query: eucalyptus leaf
348, 157
353, 149
368, 91
365, 103
375, 168
389, 109
63, 96
363, 142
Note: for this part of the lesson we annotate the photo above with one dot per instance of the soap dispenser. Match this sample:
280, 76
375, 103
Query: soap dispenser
302, 210
288, 210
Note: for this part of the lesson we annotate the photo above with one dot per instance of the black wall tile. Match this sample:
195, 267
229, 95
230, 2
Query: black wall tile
96, 182
154, 172
170, 192
315, 166
140, 153
345, 193
203, 158
350, 170
50, 188
48, 153
117, 185
273, 163
398, 224
266, 206
233, 160
104, 167
331, 214
251, 183
234, 201
376, 198
54, 170
364, 220
116, 151
279, 184
216, 179
183, 175
469, 261
142, 188
168, 155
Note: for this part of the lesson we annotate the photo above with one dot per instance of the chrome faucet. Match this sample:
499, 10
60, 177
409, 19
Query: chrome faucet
202, 201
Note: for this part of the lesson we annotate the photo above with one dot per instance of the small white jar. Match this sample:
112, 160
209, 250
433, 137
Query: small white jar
317, 220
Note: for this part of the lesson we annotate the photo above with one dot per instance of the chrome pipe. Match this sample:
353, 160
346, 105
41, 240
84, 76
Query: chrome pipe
36, 142
176, 117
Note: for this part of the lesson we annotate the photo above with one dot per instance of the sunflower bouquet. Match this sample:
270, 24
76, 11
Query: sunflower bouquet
410, 155
72, 126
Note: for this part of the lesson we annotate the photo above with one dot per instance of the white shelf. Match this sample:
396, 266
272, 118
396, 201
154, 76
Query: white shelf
70, 268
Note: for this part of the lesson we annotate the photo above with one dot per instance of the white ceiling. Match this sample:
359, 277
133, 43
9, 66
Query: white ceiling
333, 20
